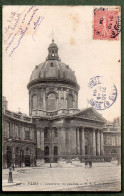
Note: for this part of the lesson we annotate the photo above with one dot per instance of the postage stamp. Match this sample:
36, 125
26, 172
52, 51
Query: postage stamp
103, 95
106, 24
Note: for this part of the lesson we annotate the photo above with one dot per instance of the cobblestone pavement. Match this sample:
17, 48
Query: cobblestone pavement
101, 177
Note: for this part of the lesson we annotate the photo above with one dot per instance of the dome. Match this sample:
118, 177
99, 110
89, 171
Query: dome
53, 68
52, 45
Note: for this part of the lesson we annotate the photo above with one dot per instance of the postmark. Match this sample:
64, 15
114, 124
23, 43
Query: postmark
102, 94
106, 24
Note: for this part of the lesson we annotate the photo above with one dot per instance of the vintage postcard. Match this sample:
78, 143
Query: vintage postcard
61, 103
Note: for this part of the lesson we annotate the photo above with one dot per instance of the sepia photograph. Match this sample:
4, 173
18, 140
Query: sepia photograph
61, 98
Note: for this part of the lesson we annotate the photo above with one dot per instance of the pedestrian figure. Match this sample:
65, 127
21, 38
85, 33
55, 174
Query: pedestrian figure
118, 161
86, 163
90, 163
13, 167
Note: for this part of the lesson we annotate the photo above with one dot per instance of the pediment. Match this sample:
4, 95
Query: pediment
89, 113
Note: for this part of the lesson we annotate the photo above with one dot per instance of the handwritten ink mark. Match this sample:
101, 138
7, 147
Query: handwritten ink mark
37, 24
32, 16
19, 41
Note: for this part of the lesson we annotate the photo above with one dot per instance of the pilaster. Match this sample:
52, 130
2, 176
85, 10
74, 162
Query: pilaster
94, 142
83, 141
98, 143
44, 100
77, 140
38, 139
101, 143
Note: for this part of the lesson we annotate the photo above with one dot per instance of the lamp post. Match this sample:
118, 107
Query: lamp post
10, 179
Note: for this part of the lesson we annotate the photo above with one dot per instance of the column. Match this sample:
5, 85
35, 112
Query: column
73, 140
30, 104
59, 140
94, 142
101, 143
10, 130
23, 133
42, 140
38, 139
13, 156
57, 103
65, 104
44, 101
67, 141
83, 141
98, 143
42, 143
59, 98
77, 141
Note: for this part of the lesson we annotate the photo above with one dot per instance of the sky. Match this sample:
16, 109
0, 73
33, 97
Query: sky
27, 33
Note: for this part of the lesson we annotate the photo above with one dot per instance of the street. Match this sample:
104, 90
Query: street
101, 177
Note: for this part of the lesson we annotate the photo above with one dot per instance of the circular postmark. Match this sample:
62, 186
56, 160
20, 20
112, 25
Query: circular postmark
102, 94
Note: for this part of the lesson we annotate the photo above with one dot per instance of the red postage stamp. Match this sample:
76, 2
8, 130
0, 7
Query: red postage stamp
106, 24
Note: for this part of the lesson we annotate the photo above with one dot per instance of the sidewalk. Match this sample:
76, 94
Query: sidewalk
5, 183
55, 165
56, 178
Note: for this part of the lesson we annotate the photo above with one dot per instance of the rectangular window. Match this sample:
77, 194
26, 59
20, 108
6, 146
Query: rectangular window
27, 133
17, 131
108, 142
7, 131
32, 134
113, 140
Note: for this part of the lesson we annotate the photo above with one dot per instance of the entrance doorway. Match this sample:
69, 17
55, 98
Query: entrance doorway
9, 155
86, 150
18, 157
46, 154
27, 160
27, 156
55, 154
114, 154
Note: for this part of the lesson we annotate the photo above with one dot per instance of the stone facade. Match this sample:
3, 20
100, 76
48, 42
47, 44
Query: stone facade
70, 136
18, 140
112, 139
56, 128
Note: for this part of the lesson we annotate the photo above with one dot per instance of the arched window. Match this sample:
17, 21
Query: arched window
45, 133
55, 150
46, 150
28, 151
41, 103
51, 102
62, 103
34, 102
55, 132
69, 101
17, 150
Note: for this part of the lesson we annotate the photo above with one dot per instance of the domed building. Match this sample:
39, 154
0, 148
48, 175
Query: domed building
62, 129
56, 129
53, 89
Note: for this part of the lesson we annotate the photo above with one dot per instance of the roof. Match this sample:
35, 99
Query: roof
53, 68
